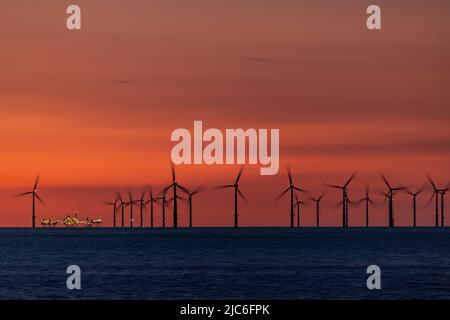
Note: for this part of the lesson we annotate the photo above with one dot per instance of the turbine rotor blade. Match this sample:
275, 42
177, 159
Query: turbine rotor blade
283, 193
239, 175
289, 175
198, 190
334, 186
385, 180
431, 198
24, 194
39, 198
382, 193
421, 190
36, 182
432, 182
183, 188
242, 195
225, 186
167, 188
298, 189
350, 179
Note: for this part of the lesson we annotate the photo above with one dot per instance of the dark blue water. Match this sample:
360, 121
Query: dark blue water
219, 263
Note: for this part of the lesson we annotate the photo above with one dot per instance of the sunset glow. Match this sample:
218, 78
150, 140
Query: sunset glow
93, 111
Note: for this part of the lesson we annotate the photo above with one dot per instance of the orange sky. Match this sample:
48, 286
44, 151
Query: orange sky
93, 110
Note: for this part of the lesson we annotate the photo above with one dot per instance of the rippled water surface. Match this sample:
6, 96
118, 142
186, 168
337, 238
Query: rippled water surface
222, 263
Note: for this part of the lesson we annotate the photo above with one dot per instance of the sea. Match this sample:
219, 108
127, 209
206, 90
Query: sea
225, 263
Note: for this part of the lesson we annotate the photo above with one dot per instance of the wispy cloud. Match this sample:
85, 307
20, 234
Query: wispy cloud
123, 82
259, 59
424, 146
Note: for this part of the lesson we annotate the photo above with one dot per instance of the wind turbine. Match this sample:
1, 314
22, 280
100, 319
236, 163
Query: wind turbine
142, 204
414, 196
291, 189
34, 196
390, 196
353, 204
436, 194
344, 198
131, 203
175, 186
442, 193
114, 206
122, 209
164, 201
297, 205
151, 201
317, 201
190, 195
368, 202
236, 193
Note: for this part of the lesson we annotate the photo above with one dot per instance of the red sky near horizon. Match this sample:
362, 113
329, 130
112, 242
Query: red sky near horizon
93, 110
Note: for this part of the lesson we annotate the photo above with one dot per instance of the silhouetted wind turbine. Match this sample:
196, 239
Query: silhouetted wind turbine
190, 195
291, 189
297, 205
344, 198
390, 195
164, 201
142, 204
175, 186
436, 194
368, 202
442, 193
34, 196
151, 201
317, 201
114, 205
353, 204
122, 209
131, 203
414, 196
236, 193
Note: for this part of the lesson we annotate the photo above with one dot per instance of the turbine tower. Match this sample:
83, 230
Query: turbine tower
164, 201
151, 201
368, 202
175, 186
297, 205
131, 203
34, 196
291, 189
114, 206
142, 204
390, 196
122, 209
344, 189
317, 201
442, 193
436, 192
237, 193
190, 195
414, 196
